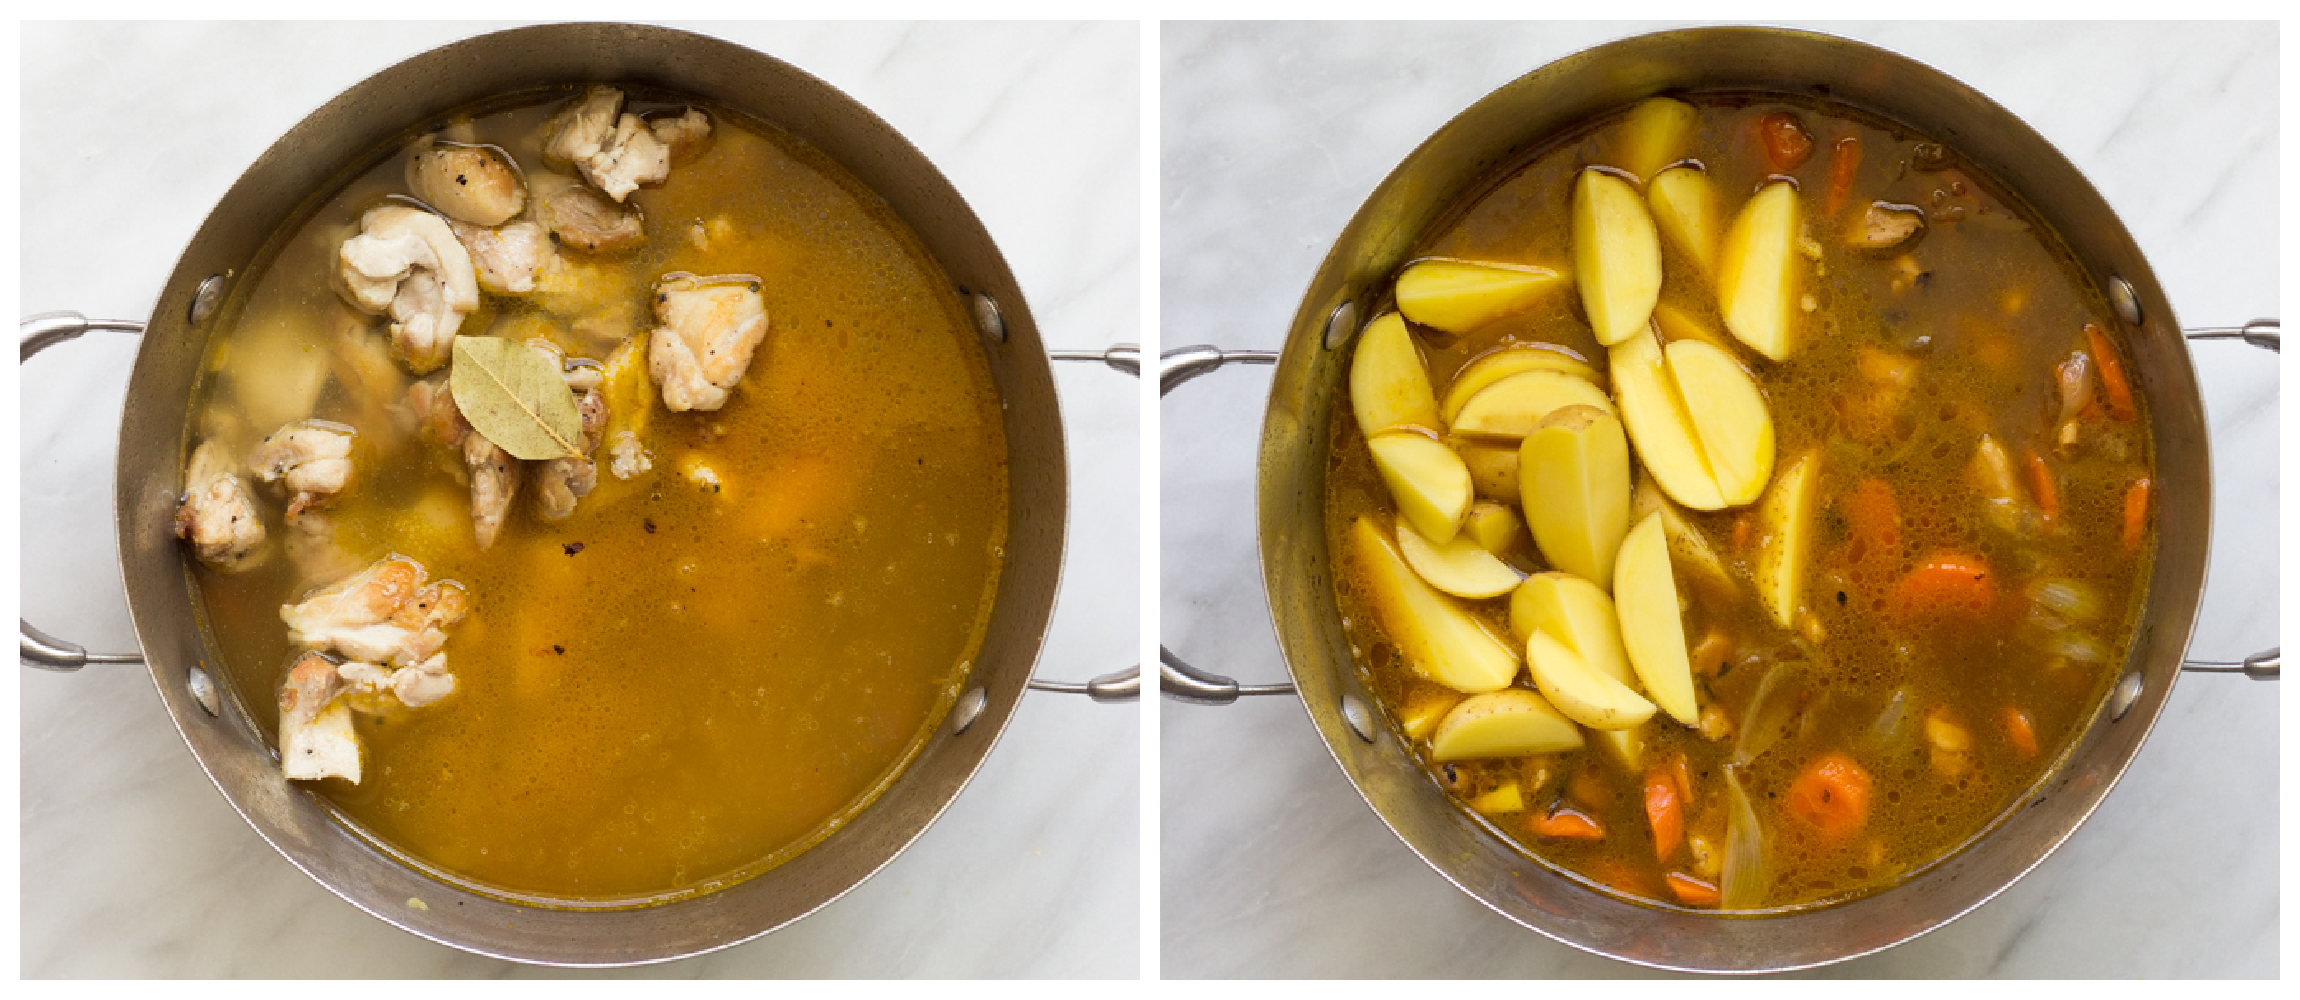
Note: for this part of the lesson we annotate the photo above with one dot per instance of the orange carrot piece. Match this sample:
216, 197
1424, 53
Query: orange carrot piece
1831, 796
2136, 513
2019, 731
1786, 144
1848, 160
1679, 770
1665, 810
1692, 891
2111, 374
1875, 518
1947, 581
1741, 528
1568, 824
2041, 483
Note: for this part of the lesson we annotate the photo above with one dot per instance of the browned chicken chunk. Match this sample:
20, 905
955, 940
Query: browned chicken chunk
471, 184
508, 256
407, 263
312, 458
583, 219
316, 738
216, 514
710, 328
1887, 227
385, 613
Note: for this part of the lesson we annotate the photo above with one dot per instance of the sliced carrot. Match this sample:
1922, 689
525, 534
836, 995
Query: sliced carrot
1692, 891
1875, 518
2136, 498
1841, 169
2111, 374
1665, 810
1679, 770
1831, 796
2019, 731
2041, 483
1786, 144
1568, 824
1741, 528
1947, 581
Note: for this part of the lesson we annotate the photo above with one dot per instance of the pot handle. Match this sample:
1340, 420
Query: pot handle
1117, 685
39, 649
2266, 334
1176, 679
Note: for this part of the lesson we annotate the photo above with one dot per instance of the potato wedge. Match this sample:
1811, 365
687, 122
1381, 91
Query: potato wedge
1689, 214
1785, 538
1658, 425
1426, 478
1616, 255
1625, 746
1514, 406
1573, 471
1389, 384
1676, 324
1508, 361
1757, 287
1510, 723
1653, 136
1500, 802
1578, 690
1424, 709
1460, 567
1652, 626
1438, 637
1492, 467
1494, 525
1578, 614
1729, 416
1458, 296
1688, 544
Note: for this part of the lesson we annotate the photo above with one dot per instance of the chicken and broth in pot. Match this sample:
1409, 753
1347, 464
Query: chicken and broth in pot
609, 489
1744, 506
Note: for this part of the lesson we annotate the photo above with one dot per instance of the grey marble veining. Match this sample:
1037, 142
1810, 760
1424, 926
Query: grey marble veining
1272, 136
133, 865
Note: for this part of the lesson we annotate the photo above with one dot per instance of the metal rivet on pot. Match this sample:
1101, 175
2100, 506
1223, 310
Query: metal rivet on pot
204, 691
968, 709
987, 318
206, 298
1341, 323
1360, 717
2127, 692
2124, 300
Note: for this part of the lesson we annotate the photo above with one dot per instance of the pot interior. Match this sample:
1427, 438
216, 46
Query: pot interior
1455, 163
341, 138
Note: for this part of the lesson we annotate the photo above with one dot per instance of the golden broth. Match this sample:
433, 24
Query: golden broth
694, 676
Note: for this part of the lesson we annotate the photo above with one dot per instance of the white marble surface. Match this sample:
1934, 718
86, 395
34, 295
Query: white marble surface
1273, 135
132, 863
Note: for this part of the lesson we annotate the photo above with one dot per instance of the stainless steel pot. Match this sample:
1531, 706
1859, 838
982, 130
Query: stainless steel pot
285, 184
1450, 165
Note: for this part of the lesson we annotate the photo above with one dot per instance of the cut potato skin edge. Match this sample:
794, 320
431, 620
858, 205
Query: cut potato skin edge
1439, 638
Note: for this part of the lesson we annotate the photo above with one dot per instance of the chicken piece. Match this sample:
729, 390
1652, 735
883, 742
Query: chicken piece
1887, 227
583, 219
421, 684
710, 327
560, 482
508, 257
405, 261
472, 184
629, 158
359, 358
630, 458
684, 135
431, 411
494, 482
580, 129
316, 737
385, 613
312, 458
216, 513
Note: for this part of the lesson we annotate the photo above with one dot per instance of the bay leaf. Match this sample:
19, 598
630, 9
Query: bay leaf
515, 398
